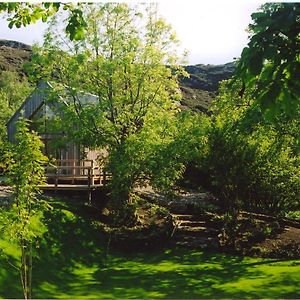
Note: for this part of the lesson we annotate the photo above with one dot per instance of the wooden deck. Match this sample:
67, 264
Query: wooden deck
69, 187
68, 175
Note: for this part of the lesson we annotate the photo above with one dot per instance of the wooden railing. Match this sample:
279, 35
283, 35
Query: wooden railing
75, 172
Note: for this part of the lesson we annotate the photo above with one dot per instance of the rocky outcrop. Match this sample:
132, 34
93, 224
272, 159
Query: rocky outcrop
14, 44
191, 202
13, 56
207, 77
200, 89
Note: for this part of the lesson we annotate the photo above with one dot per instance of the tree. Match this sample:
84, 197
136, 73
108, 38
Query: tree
24, 13
128, 60
270, 64
252, 163
13, 91
21, 222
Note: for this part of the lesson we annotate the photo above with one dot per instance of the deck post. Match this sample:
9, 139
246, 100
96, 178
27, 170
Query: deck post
104, 178
56, 179
73, 171
92, 167
89, 187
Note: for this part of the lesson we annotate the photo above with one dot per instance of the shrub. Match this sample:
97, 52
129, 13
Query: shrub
251, 164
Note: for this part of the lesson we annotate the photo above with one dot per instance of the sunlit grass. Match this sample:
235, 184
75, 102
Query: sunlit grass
71, 265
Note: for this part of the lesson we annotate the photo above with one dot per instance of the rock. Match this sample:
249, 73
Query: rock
14, 44
13, 55
5, 196
192, 203
185, 203
207, 77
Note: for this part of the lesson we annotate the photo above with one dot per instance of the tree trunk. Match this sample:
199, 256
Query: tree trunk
26, 269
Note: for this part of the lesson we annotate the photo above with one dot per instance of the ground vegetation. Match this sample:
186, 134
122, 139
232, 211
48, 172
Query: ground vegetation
164, 273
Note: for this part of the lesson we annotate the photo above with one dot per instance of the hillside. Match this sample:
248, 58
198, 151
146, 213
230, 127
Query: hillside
13, 55
198, 90
201, 87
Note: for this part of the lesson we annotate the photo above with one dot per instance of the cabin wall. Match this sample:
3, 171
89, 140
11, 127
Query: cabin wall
35, 108
70, 152
92, 154
29, 107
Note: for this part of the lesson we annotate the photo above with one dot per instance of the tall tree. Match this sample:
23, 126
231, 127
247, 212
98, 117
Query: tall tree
25, 173
252, 164
128, 61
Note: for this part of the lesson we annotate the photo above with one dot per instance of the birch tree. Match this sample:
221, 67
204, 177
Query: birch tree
20, 223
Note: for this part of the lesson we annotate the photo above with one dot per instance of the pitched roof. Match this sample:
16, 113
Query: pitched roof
36, 100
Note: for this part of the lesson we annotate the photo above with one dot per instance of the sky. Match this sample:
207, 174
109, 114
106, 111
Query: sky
213, 32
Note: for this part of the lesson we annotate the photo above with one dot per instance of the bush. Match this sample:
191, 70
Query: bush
251, 164
253, 172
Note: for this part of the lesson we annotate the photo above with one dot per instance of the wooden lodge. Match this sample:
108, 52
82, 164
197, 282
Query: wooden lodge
72, 167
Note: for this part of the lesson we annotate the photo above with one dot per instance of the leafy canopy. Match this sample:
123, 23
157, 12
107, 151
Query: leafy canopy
270, 64
13, 91
25, 173
24, 13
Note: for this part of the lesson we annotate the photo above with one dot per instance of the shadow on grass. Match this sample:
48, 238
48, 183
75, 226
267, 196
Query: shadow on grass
182, 274
71, 240
70, 265
10, 285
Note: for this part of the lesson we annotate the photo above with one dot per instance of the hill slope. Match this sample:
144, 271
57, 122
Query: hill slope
13, 55
198, 90
201, 87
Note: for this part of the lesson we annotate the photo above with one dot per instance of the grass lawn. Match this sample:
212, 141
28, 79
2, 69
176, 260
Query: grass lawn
70, 264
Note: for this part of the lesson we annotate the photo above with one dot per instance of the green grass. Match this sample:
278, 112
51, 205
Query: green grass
70, 264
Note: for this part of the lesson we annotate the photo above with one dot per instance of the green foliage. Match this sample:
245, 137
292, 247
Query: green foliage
158, 153
293, 215
128, 61
242, 234
270, 65
13, 91
23, 14
25, 163
25, 173
252, 164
